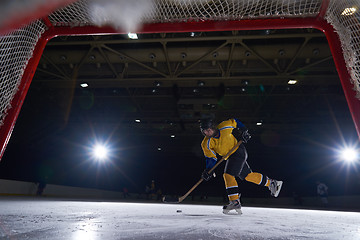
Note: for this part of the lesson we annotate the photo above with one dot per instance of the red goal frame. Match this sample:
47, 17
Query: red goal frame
317, 22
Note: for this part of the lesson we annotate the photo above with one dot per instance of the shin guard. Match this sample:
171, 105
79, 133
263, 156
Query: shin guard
231, 186
258, 179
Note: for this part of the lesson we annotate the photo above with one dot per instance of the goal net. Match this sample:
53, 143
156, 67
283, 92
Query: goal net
22, 40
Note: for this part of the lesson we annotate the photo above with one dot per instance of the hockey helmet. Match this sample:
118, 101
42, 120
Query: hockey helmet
206, 124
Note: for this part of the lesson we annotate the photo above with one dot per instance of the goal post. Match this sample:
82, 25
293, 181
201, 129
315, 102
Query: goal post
341, 30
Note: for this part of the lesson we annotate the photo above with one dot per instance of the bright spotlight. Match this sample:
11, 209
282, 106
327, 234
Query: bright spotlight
349, 11
349, 155
132, 35
100, 152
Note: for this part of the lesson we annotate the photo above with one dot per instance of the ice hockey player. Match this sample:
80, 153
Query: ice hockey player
219, 140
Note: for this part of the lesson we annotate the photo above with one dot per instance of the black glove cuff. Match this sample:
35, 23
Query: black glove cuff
206, 175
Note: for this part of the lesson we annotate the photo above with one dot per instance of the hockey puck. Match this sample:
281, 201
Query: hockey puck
178, 210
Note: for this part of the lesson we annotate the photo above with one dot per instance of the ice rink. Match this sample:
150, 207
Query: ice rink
41, 218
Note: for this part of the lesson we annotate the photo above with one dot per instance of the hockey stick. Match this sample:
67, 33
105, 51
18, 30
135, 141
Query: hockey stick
180, 199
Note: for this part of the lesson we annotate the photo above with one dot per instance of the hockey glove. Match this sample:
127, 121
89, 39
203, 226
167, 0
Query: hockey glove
245, 136
207, 176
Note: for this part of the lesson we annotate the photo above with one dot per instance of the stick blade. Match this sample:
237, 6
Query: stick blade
170, 199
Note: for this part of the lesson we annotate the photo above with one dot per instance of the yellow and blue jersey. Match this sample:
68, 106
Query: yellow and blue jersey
222, 143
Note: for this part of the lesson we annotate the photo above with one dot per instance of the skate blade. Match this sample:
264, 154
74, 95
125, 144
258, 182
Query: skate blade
229, 212
279, 185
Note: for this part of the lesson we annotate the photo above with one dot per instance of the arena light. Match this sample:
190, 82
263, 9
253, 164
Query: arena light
349, 11
349, 154
132, 35
100, 152
84, 85
292, 82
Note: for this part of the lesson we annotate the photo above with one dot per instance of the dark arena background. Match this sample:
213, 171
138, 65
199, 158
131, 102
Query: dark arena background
100, 103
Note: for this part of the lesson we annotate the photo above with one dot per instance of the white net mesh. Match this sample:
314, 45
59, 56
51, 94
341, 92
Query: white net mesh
344, 16
17, 48
15, 51
183, 10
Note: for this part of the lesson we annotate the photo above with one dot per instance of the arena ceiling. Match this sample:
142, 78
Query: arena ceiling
170, 81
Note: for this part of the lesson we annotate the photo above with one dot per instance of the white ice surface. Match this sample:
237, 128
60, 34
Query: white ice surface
63, 219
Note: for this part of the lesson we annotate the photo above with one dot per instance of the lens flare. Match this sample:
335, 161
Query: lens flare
100, 152
349, 154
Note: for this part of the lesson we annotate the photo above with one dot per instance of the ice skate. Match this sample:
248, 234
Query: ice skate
233, 205
275, 187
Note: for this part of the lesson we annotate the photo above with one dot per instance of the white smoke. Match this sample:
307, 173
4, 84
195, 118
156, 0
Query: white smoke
13, 10
123, 15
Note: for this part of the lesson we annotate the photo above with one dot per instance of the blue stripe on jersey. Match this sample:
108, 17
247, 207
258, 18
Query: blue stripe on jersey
225, 127
239, 124
210, 162
208, 146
